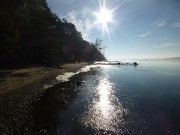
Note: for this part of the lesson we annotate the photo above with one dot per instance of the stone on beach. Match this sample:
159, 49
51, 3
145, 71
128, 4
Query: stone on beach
79, 83
135, 63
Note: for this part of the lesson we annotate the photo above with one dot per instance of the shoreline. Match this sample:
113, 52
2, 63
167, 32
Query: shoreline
18, 104
12, 79
32, 108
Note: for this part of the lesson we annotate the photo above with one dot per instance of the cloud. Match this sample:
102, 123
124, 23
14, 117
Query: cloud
166, 45
145, 34
177, 25
57, 2
81, 22
159, 23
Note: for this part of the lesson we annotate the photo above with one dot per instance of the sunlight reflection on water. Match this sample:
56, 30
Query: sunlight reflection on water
125, 100
106, 112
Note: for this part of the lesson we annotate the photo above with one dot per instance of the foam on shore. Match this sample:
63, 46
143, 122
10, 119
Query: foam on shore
67, 75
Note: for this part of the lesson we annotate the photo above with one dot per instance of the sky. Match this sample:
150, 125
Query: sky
138, 29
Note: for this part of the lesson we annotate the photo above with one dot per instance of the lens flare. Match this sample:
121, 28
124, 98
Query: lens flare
105, 15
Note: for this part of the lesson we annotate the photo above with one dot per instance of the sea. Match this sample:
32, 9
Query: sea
126, 100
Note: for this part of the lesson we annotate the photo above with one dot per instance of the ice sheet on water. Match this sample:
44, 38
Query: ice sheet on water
66, 76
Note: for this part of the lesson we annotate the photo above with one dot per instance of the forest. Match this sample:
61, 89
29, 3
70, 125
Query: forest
31, 34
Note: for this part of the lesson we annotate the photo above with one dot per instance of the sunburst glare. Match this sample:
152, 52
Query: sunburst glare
104, 16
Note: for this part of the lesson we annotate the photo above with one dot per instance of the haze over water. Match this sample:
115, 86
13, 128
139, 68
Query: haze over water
121, 99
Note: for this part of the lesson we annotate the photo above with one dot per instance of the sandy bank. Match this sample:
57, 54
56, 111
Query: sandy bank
17, 78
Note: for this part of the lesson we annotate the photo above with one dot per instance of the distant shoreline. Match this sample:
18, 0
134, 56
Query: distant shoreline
136, 59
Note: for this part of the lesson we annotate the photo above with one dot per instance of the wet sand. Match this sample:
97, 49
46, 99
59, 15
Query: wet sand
25, 103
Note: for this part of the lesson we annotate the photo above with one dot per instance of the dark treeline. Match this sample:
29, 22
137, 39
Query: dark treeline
31, 34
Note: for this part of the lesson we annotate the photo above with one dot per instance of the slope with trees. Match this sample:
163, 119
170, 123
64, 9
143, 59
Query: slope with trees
31, 34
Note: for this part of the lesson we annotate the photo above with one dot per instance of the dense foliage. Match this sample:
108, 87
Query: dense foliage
31, 34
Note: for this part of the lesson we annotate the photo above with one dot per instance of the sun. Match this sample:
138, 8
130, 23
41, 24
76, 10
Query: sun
104, 16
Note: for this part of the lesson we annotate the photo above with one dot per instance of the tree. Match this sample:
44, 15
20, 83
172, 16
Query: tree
100, 46
31, 34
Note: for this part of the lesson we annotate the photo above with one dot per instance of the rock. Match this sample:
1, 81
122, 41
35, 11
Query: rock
135, 64
79, 83
42, 131
59, 66
63, 102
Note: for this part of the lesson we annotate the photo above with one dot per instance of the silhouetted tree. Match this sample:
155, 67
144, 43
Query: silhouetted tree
99, 45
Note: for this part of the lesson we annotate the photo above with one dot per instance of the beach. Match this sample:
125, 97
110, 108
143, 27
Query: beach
109, 99
16, 78
21, 89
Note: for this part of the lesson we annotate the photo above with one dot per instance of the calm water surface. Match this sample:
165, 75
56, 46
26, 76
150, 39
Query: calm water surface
126, 100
